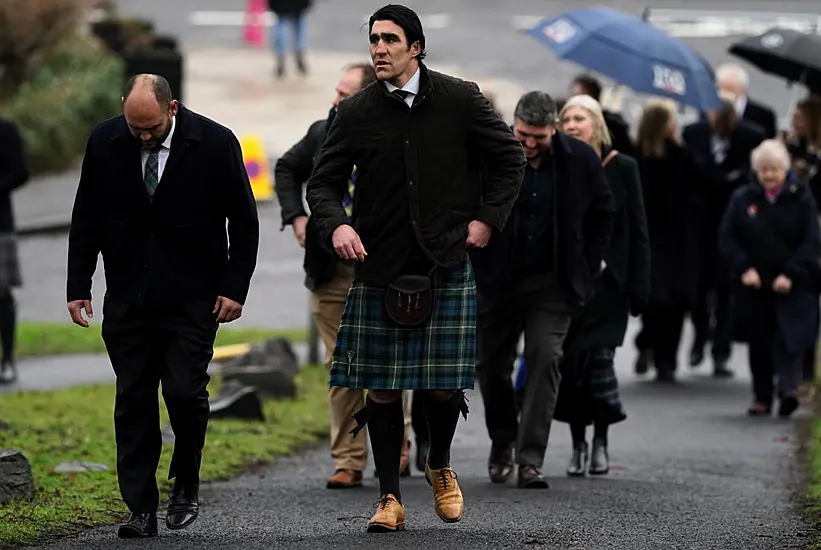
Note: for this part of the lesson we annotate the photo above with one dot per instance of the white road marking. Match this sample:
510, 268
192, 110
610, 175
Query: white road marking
710, 24
237, 18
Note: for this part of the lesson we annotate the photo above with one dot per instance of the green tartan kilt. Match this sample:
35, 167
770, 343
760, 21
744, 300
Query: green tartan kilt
373, 352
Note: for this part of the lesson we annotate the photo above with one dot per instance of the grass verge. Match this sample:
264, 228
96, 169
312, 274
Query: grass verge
76, 424
40, 339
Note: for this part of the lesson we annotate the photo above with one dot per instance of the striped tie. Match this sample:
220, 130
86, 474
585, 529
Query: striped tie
152, 167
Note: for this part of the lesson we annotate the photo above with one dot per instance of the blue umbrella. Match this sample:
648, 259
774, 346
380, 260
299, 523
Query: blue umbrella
632, 53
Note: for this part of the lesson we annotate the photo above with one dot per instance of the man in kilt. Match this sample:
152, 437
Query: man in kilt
409, 323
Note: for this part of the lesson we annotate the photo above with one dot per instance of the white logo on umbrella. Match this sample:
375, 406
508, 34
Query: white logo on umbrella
772, 40
669, 80
560, 32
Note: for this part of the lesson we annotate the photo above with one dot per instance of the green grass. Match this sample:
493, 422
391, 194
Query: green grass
77, 424
40, 339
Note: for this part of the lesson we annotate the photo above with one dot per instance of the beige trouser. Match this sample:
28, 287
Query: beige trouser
327, 304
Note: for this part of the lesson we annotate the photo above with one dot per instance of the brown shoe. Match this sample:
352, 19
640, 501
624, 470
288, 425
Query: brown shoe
500, 464
531, 478
389, 516
447, 496
345, 479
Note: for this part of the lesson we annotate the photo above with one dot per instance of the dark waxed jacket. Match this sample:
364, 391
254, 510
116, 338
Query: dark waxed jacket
291, 172
419, 172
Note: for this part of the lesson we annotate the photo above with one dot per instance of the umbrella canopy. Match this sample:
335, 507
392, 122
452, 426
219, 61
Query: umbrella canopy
790, 54
631, 52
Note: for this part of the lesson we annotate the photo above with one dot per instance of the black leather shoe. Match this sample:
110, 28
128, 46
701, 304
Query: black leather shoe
599, 461
139, 526
500, 463
578, 463
183, 507
530, 477
8, 373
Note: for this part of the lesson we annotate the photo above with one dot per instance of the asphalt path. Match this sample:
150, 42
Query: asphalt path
689, 471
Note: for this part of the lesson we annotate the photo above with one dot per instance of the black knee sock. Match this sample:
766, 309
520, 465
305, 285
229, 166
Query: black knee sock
578, 432
442, 418
386, 428
8, 318
600, 431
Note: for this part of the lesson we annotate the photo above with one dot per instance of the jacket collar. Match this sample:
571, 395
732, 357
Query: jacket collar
425, 84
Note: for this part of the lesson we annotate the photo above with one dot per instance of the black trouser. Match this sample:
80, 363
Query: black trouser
146, 345
713, 304
536, 307
661, 333
768, 355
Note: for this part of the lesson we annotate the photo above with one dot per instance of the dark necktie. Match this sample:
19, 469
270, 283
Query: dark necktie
152, 171
401, 94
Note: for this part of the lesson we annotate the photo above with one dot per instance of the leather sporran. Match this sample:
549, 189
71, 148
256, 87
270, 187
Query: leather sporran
409, 299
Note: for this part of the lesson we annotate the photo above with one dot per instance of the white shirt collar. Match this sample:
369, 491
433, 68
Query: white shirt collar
167, 142
411, 86
741, 105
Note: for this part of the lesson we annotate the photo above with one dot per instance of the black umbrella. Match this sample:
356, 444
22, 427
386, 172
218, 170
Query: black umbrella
789, 54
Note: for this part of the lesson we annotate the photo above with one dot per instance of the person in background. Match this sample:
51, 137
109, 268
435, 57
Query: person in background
532, 278
329, 278
409, 322
771, 240
289, 13
722, 146
673, 203
13, 174
585, 84
589, 393
734, 80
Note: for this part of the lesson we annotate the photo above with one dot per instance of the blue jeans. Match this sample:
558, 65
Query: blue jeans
297, 25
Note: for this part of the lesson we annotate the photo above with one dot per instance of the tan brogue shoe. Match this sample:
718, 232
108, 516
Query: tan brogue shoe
389, 516
447, 496
345, 479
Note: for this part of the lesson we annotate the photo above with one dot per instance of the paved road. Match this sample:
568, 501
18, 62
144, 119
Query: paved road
690, 471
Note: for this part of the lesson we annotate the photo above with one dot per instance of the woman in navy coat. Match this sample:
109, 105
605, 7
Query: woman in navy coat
771, 239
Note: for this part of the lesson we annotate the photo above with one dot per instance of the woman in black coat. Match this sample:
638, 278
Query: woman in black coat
589, 389
673, 196
771, 240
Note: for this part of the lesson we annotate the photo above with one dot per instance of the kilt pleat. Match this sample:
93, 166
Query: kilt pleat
373, 352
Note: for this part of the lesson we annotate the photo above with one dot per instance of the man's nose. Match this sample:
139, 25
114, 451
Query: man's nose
145, 136
380, 47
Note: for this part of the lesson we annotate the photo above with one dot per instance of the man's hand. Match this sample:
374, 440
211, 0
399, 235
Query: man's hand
228, 309
75, 309
479, 234
751, 278
347, 244
299, 223
782, 284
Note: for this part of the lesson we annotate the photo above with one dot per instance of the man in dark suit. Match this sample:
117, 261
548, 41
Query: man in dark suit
722, 144
157, 186
733, 79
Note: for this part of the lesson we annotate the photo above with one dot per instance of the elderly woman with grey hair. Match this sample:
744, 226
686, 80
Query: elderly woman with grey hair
771, 239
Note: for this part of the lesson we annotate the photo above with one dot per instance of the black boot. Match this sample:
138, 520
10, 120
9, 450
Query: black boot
578, 463
599, 461
8, 372
139, 526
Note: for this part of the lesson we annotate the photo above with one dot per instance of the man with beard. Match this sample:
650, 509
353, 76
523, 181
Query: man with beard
409, 323
329, 278
158, 184
531, 278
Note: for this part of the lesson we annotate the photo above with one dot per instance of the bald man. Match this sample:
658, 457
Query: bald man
158, 185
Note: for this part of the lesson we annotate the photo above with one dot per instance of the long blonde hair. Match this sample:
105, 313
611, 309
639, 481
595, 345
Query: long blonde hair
656, 121
593, 108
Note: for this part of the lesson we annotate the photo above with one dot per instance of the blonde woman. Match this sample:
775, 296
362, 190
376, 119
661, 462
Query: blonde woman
589, 389
771, 240
673, 195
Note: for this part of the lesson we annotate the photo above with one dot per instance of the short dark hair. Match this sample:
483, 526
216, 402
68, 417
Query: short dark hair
368, 73
591, 85
536, 109
407, 20
159, 85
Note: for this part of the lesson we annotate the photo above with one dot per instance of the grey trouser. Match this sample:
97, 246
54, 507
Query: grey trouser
535, 306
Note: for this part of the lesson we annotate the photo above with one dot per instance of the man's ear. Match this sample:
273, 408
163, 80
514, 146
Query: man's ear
415, 49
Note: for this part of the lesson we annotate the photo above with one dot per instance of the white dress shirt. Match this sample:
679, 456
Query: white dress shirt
162, 155
411, 86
